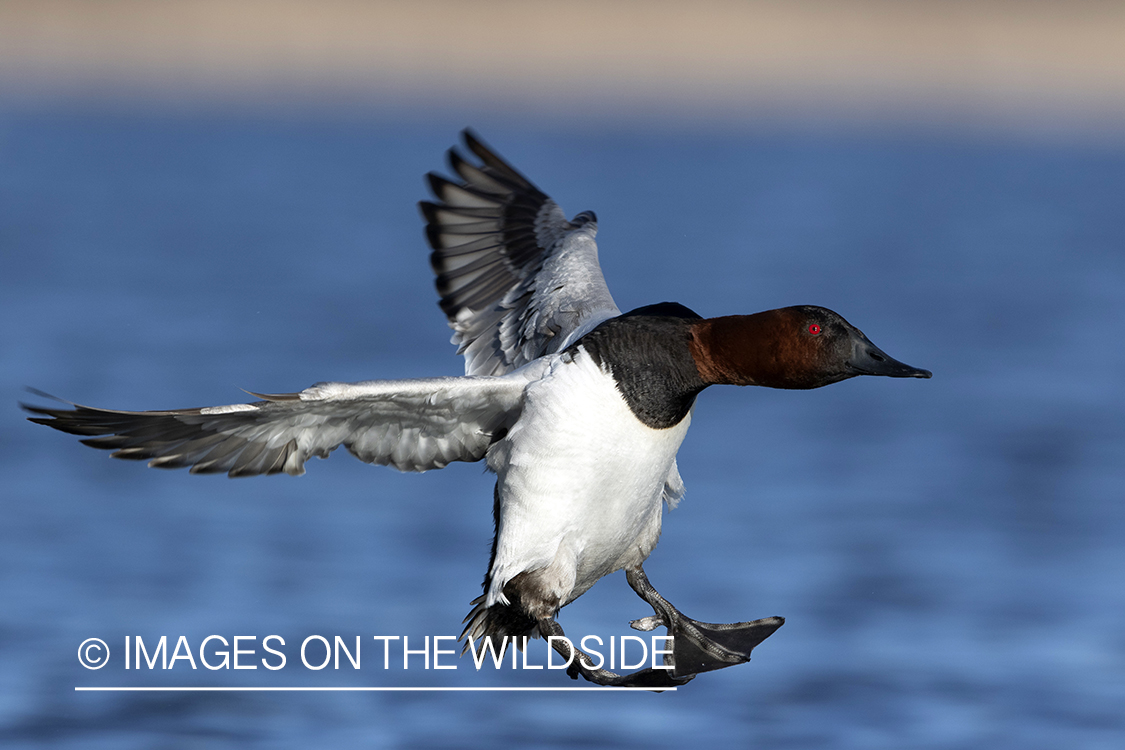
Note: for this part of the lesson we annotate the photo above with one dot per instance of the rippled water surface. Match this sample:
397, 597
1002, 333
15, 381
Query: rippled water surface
948, 553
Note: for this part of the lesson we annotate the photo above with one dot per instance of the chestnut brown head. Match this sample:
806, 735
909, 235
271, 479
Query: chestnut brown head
791, 347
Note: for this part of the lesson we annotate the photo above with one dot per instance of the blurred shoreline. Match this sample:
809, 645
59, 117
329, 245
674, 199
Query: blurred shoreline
994, 64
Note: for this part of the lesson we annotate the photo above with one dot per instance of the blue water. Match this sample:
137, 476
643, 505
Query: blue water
949, 553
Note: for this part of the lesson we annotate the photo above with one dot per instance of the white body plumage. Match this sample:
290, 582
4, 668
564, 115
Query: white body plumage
580, 482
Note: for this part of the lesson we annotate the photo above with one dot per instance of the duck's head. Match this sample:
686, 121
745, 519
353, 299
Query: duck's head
792, 347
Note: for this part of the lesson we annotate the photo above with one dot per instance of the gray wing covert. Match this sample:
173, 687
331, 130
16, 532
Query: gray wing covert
516, 279
412, 425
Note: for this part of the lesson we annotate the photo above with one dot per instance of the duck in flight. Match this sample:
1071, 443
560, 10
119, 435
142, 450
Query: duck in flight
579, 409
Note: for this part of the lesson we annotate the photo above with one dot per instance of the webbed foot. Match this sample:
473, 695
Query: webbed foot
581, 665
699, 646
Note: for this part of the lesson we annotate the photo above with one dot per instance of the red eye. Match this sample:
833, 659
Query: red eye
814, 329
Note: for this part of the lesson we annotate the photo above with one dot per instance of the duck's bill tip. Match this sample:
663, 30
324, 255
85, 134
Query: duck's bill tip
894, 369
905, 371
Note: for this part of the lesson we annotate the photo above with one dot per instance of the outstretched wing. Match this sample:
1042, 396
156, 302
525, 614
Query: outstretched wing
412, 425
516, 279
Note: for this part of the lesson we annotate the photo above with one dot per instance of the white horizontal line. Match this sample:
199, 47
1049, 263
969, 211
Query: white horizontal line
350, 689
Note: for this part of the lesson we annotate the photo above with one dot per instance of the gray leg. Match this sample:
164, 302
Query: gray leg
699, 646
583, 665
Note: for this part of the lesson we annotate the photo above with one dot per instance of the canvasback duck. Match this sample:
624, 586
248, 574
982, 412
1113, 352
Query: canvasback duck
577, 408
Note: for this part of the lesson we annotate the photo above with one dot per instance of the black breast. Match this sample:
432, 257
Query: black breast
647, 351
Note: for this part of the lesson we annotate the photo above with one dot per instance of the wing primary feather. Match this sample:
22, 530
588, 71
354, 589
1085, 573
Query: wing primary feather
487, 155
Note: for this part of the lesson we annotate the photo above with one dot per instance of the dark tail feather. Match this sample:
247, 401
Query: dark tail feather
498, 621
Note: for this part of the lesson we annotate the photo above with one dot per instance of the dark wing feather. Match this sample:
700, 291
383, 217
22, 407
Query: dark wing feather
413, 425
516, 279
